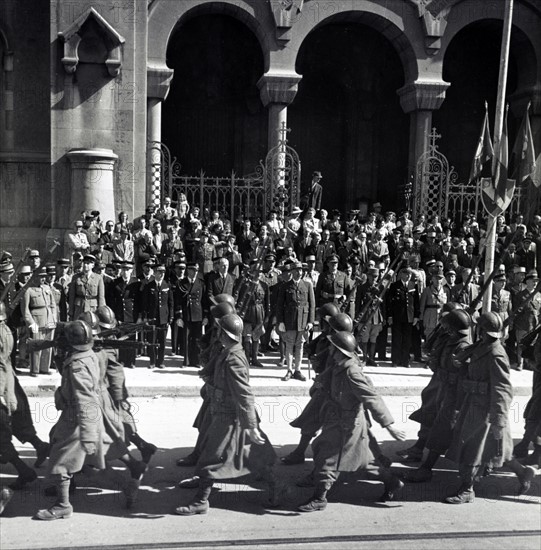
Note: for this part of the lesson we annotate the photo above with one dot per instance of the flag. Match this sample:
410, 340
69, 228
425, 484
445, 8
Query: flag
484, 151
497, 191
523, 152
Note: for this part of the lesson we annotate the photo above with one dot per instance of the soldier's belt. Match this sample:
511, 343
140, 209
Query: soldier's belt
432, 306
477, 388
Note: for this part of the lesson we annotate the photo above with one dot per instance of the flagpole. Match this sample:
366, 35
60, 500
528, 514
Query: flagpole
498, 127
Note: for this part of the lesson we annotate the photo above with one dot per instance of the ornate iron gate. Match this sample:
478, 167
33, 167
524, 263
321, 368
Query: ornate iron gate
282, 173
274, 185
232, 196
433, 178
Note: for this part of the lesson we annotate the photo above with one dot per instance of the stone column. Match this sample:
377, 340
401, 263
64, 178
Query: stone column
420, 98
92, 182
278, 90
158, 84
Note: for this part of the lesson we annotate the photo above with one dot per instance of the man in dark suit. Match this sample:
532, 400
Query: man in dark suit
244, 240
402, 315
316, 190
122, 297
191, 312
295, 314
220, 281
158, 310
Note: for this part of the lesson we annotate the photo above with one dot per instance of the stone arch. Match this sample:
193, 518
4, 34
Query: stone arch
390, 24
525, 34
166, 16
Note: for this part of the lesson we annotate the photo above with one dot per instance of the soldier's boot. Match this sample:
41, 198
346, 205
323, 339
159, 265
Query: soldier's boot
297, 455
62, 507
52, 490
371, 361
424, 472
525, 475
42, 450
521, 448
318, 501
364, 349
189, 483
200, 503
146, 449
535, 458
25, 473
255, 360
190, 460
465, 494
391, 485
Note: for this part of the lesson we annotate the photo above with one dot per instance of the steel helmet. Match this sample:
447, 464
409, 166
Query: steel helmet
219, 298
106, 317
91, 319
341, 322
327, 310
344, 341
79, 335
232, 325
491, 323
451, 306
457, 320
3, 313
221, 309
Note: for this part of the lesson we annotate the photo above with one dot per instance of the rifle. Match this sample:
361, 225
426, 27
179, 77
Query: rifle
126, 329
20, 293
371, 305
35, 344
9, 287
520, 308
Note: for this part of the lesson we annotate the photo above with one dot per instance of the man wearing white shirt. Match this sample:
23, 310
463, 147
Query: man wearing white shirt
78, 241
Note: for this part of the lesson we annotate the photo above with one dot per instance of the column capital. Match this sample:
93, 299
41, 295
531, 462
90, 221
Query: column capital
422, 95
158, 81
279, 87
520, 99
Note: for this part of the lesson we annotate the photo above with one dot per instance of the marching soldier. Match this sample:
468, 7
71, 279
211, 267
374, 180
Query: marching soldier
234, 445
342, 445
482, 436
457, 327
40, 317
87, 291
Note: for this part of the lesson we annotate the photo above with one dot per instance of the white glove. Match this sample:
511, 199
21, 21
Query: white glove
180, 323
281, 327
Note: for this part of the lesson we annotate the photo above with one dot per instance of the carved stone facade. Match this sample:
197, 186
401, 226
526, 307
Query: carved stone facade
92, 76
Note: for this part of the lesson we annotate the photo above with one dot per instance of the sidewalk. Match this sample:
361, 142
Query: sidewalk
177, 381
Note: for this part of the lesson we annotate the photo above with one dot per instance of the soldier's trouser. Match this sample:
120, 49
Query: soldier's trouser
127, 356
40, 361
294, 341
193, 331
21, 420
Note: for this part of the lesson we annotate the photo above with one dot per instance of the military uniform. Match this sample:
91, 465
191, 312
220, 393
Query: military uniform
190, 305
86, 293
40, 312
122, 297
157, 308
332, 287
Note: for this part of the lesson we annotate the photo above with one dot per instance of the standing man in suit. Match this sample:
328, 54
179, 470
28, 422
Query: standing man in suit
295, 314
244, 240
86, 292
191, 312
158, 310
316, 190
220, 281
402, 315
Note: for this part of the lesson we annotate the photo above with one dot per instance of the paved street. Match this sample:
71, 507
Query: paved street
353, 519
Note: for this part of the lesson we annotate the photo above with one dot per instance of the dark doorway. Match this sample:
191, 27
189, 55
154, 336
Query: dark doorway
346, 119
213, 118
471, 65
